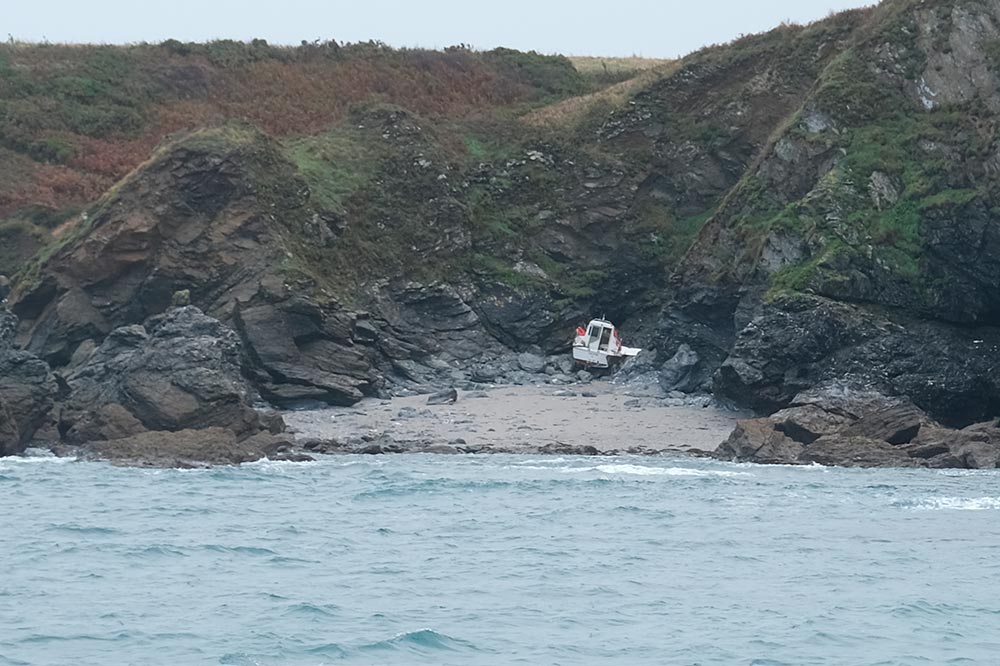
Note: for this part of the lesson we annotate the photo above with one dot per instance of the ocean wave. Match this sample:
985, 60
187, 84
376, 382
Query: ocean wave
306, 609
34, 457
952, 504
642, 470
421, 640
82, 529
268, 464
538, 461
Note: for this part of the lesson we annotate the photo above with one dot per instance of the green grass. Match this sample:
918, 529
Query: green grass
335, 164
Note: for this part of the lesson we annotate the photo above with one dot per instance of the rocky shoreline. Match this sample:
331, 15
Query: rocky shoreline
173, 392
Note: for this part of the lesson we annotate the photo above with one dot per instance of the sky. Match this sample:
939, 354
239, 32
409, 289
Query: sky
649, 28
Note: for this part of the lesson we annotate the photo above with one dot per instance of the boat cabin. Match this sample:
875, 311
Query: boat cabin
600, 345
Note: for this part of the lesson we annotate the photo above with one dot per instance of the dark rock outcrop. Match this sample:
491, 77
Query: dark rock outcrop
803, 343
28, 390
864, 431
179, 371
191, 448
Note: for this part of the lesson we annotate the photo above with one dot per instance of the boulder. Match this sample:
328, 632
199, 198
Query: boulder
533, 363
807, 423
895, 425
680, 372
447, 397
757, 440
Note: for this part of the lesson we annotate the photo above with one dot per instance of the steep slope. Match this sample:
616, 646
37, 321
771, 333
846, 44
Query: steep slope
880, 191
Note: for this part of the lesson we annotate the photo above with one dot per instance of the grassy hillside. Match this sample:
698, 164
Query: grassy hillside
74, 119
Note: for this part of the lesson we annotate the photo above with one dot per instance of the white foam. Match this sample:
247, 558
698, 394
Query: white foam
958, 504
537, 461
36, 457
268, 464
642, 470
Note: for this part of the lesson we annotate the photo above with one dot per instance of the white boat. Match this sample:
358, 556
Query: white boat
600, 345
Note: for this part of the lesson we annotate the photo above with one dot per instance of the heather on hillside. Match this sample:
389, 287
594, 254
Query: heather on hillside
73, 119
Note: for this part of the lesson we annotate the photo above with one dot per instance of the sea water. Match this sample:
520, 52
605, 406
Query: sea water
417, 559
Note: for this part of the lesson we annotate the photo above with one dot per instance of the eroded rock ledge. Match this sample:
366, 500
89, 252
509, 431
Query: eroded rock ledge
847, 427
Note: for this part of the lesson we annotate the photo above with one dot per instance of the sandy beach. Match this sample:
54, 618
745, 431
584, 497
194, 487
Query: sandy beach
529, 418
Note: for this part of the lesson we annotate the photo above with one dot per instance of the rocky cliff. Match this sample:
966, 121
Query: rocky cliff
812, 205
863, 242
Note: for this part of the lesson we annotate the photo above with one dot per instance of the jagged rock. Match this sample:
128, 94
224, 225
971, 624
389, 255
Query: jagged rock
106, 422
679, 373
27, 391
895, 425
802, 344
758, 441
846, 399
8, 328
179, 371
845, 433
301, 351
447, 397
486, 374
532, 363
807, 423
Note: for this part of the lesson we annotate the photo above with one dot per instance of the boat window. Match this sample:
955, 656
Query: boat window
605, 338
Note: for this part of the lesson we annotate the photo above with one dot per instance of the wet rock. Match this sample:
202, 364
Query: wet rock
584, 377
443, 449
855, 451
183, 448
563, 449
324, 446
446, 397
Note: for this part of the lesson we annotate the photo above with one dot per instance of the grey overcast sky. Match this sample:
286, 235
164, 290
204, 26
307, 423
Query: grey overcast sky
648, 28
